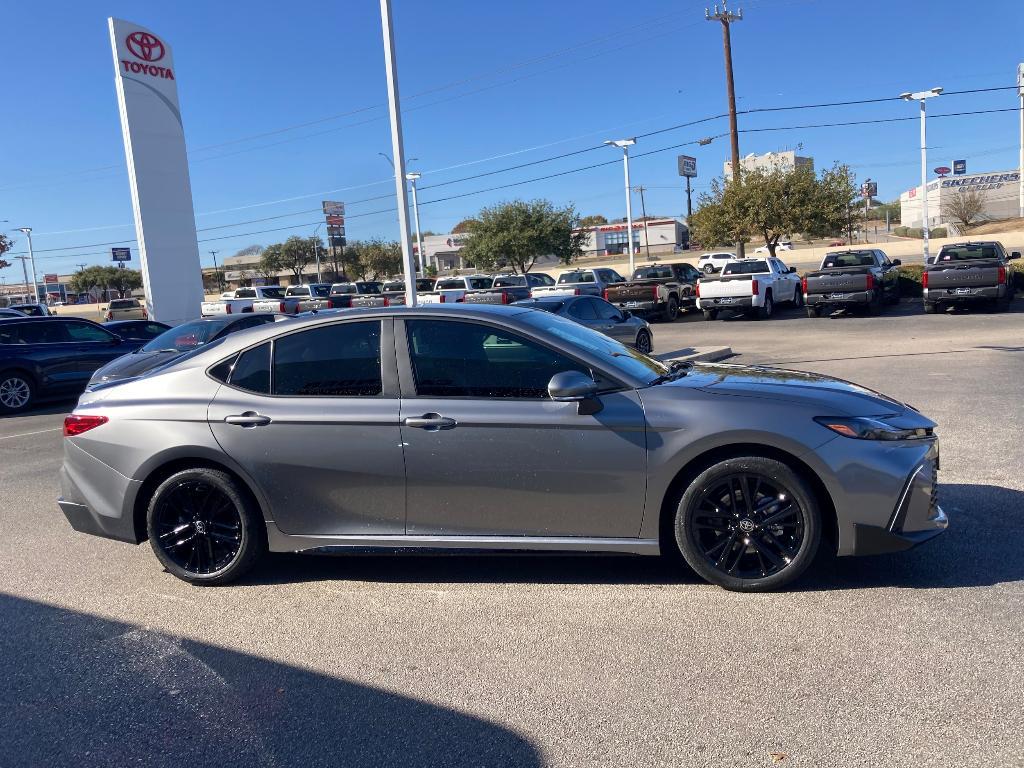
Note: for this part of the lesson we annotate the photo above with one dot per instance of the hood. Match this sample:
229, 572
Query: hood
129, 366
830, 395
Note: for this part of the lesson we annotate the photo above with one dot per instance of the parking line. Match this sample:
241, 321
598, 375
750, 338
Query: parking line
26, 434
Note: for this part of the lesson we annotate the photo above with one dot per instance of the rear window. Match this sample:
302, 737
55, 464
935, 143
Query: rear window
575, 277
478, 283
540, 278
321, 291
368, 287
850, 259
273, 293
397, 287
652, 273
448, 285
297, 290
509, 282
751, 267
968, 252
343, 289
124, 304
245, 293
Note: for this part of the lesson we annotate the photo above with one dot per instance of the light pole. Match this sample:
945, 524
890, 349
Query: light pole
921, 97
216, 272
625, 144
398, 148
412, 176
1020, 181
24, 272
316, 250
27, 231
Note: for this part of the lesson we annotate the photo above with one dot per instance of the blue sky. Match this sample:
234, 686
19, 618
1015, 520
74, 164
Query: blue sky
485, 86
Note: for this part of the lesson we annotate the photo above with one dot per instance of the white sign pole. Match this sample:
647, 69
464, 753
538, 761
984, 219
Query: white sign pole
1020, 90
399, 151
154, 146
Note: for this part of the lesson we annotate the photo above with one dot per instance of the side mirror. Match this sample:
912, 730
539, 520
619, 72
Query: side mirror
1015, 255
573, 386
896, 262
626, 314
792, 270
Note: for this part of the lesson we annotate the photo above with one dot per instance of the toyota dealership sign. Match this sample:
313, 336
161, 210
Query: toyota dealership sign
144, 50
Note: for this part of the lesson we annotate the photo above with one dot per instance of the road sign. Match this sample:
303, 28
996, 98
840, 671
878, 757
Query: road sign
120, 254
336, 221
942, 170
333, 208
959, 167
687, 166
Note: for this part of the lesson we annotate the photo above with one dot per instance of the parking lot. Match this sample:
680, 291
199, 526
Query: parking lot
912, 659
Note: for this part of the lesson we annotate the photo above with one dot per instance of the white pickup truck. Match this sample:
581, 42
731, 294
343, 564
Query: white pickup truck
453, 290
241, 300
297, 298
749, 286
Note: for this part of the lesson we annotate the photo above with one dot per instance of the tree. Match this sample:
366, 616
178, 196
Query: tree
355, 261
463, 226
124, 280
105, 278
383, 258
593, 221
249, 250
964, 207
270, 263
774, 203
517, 233
5, 245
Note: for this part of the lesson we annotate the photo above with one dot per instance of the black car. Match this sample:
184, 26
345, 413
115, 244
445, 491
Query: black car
51, 357
176, 341
137, 330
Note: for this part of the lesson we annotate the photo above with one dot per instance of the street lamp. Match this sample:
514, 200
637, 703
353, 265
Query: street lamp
625, 144
411, 177
921, 97
27, 231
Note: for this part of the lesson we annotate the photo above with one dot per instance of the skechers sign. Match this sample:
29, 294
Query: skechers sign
982, 182
146, 48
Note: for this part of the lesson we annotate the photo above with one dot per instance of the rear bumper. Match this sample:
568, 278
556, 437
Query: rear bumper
728, 302
96, 498
84, 520
950, 295
855, 299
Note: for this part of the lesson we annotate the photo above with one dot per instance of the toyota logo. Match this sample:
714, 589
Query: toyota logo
747, 525
145, 46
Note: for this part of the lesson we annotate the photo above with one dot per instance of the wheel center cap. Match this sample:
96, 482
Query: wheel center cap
200, 526
747, 525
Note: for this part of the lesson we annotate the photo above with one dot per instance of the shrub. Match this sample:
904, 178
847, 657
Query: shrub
915, 232
910, 279
938, 232
1017, 274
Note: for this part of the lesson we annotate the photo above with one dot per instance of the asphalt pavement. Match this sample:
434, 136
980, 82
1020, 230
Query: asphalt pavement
904, 660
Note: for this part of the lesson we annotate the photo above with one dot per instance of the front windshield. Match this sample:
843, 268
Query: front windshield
613, 353
183, 338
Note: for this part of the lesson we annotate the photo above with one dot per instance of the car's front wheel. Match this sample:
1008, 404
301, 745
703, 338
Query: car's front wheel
749, 524
644, 343
16, 392
204, 528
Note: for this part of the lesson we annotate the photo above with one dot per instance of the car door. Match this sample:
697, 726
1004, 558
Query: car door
786, 283
43, 346
488, 453
312, 418
890, 275
93, 347
612, 322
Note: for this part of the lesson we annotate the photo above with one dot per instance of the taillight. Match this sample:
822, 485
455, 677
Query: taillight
330, 304
442, 298
76, 425
531, 293
1002, 276
696, 289
604, 294
110, 315
869, 284
803, 285
145, 314
387, 302
280, 306
576, 292
506, 298
654, 291
754, 288
227, 309
924, 279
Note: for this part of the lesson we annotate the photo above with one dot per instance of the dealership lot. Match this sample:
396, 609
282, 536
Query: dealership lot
904, 660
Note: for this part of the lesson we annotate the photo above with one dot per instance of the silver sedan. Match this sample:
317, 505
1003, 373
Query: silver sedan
491, 428
600, 315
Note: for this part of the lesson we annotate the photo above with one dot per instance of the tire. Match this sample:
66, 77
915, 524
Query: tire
208, 504
813, 312
671, 311
735, 549
875, 305
931, 307
894, 299
710, 314
798, 298
17, 392
709, 269
1001, 305
644, 342
765, 310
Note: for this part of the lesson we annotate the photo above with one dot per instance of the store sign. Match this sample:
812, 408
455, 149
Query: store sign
336, 221
869, 189
333, 208
959, 167
120, 254
687, 165
983, 182
942, 170
51, 278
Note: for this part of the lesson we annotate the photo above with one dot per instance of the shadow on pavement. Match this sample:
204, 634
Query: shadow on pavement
85, 691
981, 548
50, 408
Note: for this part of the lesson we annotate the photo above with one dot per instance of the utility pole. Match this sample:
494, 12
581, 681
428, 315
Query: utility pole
24, 272
412, 177
81, 266
727, 17
643, 212
921, 97
216, 272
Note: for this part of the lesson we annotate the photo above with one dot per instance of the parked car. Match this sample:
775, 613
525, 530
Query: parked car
343, 294
241, 300
297, 298
599, 315
46, 358
750, 286
580, 282
862, 279
660, 290
452, 290
32, 310
508, 289
968, 273
748, 471
782, 245
125, 309
137, 330
837, 244
393, 293
710, 263
176, 341
8, 312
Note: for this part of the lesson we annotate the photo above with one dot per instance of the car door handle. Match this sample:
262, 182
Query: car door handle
248, 419
430, 421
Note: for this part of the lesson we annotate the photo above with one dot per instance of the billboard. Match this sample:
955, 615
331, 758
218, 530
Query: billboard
333, 208
687, 166
154, 144
959, 167
120, 254
869, 189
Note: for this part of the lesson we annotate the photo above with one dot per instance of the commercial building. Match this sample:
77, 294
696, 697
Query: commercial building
661, 235
787, 160
999, 192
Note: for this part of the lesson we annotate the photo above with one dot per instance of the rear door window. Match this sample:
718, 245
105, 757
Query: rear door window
251, 371
339, 360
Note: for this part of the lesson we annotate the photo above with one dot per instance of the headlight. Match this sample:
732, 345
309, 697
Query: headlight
871, 428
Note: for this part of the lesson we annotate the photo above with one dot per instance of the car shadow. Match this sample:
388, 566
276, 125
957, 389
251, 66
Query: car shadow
48, 408
87, 691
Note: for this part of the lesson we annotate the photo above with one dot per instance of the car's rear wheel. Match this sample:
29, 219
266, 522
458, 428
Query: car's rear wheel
203, 528
710, 314
766, 309
798, 298
749, 524
671, 311
875, 305
813, 312
931, 307
16, 392
644, 343
709, 269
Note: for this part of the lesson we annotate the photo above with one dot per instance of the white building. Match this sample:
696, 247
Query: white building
662, 235
787, 160
999, 192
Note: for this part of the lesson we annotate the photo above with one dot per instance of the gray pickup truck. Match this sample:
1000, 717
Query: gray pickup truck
580, 282
508, 289
863, 278
967, 273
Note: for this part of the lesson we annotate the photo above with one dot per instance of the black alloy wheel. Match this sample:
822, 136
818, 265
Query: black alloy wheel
202, 528
643, 342
748, 524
